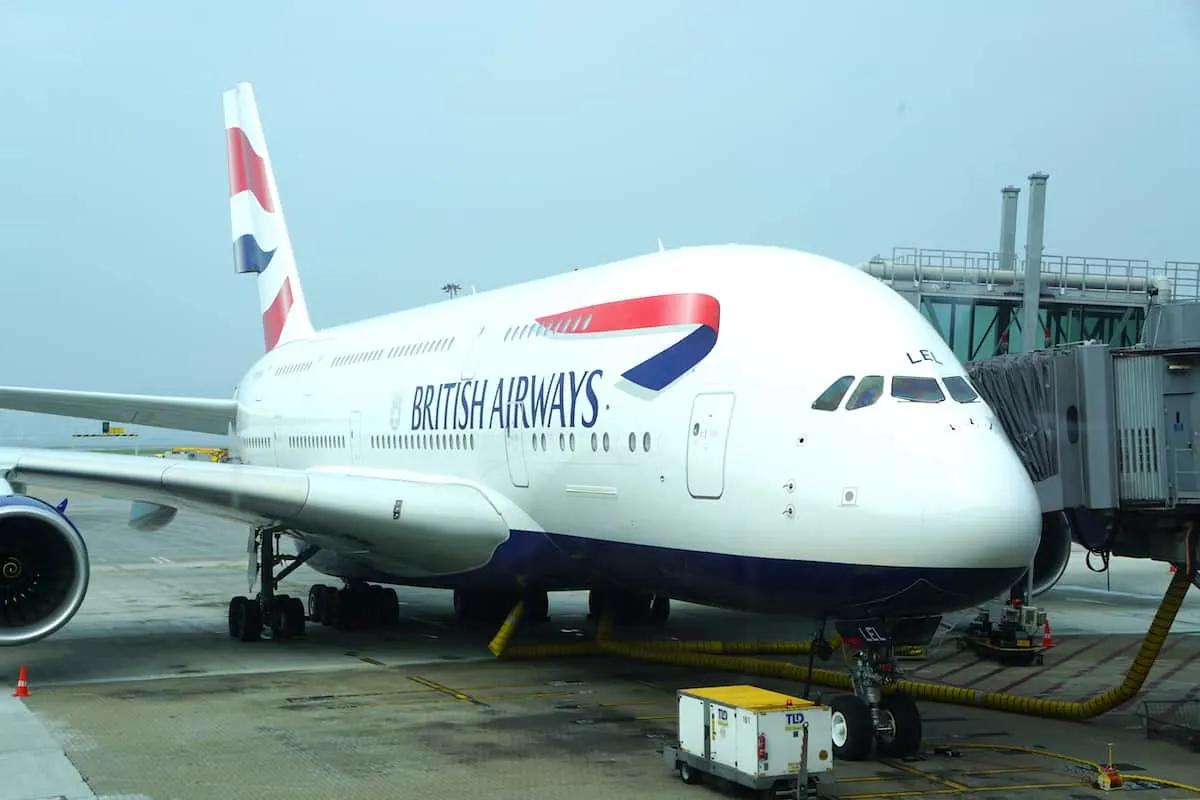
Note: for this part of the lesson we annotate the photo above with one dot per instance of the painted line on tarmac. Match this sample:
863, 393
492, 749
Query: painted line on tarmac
446, 690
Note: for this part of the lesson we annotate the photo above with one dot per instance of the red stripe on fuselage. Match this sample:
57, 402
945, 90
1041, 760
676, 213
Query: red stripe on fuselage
640, 313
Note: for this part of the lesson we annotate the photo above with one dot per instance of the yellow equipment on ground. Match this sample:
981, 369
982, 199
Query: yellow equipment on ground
753, 737
197, 453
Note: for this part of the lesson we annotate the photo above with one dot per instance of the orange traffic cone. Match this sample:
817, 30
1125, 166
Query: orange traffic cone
1047, 639
22, 684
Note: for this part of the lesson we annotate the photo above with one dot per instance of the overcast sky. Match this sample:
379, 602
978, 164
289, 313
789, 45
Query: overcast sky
492, 142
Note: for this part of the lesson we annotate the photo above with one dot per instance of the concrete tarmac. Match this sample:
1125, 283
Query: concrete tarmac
143, 694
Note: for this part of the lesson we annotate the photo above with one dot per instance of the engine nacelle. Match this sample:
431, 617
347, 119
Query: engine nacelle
44, 570
1053, 554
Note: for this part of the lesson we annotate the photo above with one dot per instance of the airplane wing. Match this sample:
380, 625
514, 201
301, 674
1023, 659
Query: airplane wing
433, 524
386, 523
199, 414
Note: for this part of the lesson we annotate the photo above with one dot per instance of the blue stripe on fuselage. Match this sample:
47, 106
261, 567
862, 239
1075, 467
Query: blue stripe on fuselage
766, 585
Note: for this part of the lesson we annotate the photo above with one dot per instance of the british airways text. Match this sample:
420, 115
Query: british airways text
560, 399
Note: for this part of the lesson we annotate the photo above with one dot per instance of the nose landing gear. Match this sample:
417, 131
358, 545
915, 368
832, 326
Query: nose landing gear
871, 718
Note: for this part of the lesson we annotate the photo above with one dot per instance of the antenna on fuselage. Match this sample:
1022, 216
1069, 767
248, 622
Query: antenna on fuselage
660, 247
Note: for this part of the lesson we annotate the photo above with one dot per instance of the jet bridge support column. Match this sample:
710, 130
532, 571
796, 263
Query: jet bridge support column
1035, 228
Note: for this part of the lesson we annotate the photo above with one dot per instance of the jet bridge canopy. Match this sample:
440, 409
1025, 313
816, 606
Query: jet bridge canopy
976, 305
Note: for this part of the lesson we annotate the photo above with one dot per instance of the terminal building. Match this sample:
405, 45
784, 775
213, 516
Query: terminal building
1103, 400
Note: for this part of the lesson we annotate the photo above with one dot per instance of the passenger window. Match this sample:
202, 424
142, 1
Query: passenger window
960, 389
917, 390
868, 391
831, 398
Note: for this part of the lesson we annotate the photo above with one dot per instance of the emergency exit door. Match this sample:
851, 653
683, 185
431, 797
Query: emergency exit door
708, 435
356, 442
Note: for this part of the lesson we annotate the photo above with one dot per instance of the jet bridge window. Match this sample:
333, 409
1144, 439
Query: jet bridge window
960, 389
831, 398
917, 390
868, 391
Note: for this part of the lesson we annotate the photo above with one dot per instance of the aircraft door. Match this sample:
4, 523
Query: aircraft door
471, 354
708, 435
356, 444
514, 452
277, 441
1181, 440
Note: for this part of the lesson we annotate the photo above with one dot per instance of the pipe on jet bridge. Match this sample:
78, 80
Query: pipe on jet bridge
1008, 227
1032, 337
1007, 277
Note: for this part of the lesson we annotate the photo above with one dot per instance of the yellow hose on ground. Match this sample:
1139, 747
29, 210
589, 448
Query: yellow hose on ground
699, 654
500, 640
1062, 709
748, 648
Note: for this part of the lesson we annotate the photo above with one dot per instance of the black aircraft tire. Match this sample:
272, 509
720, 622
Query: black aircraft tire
852, 727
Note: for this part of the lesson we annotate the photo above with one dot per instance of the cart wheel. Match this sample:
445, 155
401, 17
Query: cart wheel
687, 774
1039, 659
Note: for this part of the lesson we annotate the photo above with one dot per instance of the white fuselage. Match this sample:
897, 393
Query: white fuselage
724, 487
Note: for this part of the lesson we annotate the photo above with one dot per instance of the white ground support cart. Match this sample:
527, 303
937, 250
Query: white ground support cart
771, 742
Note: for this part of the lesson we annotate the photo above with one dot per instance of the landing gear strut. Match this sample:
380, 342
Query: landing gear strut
869, 718
268, 614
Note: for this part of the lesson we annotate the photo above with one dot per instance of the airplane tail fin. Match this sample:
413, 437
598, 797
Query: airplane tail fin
261, 245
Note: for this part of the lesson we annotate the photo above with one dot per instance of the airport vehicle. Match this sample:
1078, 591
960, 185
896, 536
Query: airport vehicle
739, 426
753, 737
192, 453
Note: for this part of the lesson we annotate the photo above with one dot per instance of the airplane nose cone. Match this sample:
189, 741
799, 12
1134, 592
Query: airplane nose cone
995, 510
984, 521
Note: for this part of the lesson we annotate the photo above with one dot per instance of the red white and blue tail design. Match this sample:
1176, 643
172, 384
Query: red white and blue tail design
260, 240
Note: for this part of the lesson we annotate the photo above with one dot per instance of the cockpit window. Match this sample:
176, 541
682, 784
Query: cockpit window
831, 397
917, 390
869, 390
960, 390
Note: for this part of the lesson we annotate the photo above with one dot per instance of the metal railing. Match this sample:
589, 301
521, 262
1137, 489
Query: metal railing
1093, 275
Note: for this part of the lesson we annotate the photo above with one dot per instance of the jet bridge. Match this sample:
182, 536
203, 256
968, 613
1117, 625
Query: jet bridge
1103, 401
1109, 436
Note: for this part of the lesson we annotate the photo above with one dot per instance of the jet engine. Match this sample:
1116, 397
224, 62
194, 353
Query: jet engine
44, 569
1053, 553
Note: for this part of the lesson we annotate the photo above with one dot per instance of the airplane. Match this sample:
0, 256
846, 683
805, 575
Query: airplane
744, 427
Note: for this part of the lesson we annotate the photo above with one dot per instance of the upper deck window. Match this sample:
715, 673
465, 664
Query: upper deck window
917, 390
869, 390
831, 398
960, 389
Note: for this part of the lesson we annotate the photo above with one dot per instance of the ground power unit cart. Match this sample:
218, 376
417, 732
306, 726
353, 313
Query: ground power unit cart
767, 741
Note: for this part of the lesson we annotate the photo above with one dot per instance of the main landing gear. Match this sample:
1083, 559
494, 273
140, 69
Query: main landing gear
354, 606
628, 607
491, 606
869, 718
280, 616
